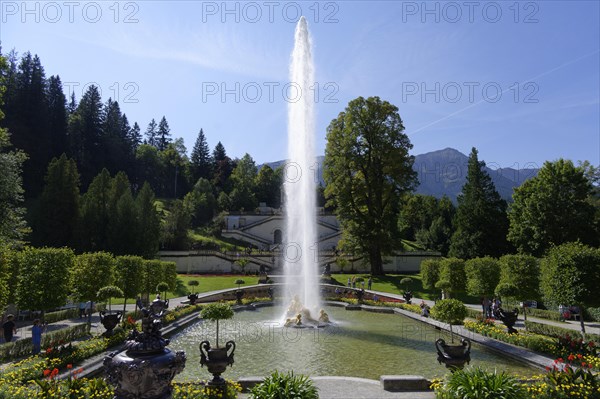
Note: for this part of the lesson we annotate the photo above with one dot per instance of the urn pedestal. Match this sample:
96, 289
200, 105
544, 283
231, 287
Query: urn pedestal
146, 368
142, 376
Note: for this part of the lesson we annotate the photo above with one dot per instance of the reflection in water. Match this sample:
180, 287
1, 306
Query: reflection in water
358, 344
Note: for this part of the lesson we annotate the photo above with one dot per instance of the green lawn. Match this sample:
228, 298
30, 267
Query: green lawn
391, 283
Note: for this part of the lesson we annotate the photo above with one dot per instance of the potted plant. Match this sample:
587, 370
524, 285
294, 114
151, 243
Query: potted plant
217, 359
452, 311
109, 320
193, 297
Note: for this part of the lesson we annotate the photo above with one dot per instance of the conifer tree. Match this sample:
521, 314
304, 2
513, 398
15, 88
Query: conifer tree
200, 159
481, 223
59, 204
152, 134
164, 134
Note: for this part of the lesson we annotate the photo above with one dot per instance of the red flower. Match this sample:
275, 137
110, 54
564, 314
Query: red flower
579, 356
54, 372
69, 366
46, 372
570, 358
591, 344
49, 350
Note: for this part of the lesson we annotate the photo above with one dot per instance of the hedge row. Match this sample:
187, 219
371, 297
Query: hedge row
554, 331
53, 317
24, 347
544, 314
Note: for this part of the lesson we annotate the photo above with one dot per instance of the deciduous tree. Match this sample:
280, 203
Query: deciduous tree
367, 169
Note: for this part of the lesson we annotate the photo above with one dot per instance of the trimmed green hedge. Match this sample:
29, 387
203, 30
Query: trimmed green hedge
554, 331
544, 314
53, 317
23, 347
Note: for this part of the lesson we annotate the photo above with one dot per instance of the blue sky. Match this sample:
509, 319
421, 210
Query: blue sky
450, 68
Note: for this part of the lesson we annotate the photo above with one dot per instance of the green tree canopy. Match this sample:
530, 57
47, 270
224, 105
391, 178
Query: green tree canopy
481, 223
149, 223
452, 276
268, 186
13, 227
522, 272
59, 204
483, 275
367, 170
552, 208
128, 276
91, 272
244, 185
201, 203
43, 282
571, 276
430, 273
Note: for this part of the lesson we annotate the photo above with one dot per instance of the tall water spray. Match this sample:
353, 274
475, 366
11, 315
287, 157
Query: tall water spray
301, 249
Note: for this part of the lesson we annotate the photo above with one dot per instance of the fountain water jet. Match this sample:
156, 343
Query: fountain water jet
301, 248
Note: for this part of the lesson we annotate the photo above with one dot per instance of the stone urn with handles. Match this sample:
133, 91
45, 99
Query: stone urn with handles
216, 360
110, 320
454, 357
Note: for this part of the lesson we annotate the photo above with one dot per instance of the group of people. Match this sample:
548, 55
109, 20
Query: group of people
9, 329
490, 307
352, 283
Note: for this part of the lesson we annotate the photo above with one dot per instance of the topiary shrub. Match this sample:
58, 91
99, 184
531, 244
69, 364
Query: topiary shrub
451, 311
215, 312
285, 386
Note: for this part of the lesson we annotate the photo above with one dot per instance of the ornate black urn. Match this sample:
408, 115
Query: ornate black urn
239, 294
453, 357
407, 297
110, 320
146, 368
193, 298
508, 318
216, 360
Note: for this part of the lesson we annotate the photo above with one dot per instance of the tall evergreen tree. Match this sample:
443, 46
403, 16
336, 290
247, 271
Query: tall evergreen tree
13, 227
164, 134
72, 106
149, 223
200, 159
85, 135
59, 204
114, 145
152, 134
481, 223
28, 120
57, 109
95, 213
222, 167
135, 137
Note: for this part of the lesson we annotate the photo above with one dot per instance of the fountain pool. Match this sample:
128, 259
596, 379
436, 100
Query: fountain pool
360, 344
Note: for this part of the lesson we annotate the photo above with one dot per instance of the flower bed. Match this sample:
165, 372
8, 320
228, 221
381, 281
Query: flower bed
535, 342
554, 331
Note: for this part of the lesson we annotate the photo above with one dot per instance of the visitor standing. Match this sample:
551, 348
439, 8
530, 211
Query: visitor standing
369, 282
349, 282
10, 328
36, 336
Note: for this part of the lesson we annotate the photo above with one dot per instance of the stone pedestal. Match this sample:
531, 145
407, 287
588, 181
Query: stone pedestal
145, 370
